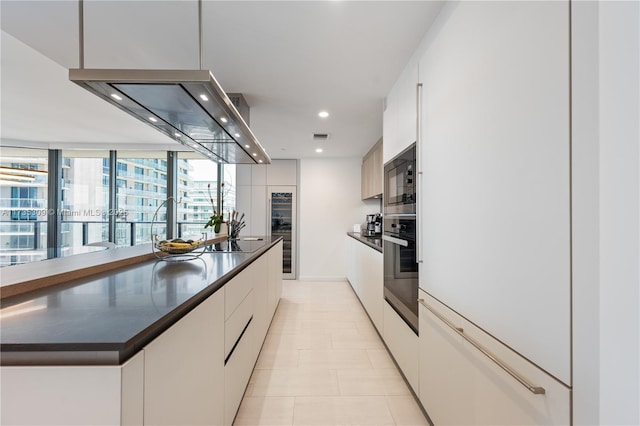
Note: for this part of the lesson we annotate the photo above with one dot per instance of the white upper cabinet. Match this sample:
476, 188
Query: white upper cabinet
282, 172
258, 174
495, 155
243, 174
399, 117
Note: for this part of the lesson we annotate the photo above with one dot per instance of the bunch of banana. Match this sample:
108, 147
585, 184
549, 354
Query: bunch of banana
178, 243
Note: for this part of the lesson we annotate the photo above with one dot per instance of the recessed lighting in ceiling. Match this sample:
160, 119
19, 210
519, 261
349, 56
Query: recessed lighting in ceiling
116, 96
247, 146
153, 119
323, 114
178, 134
237, 135
255, 155
318, 150
204, 97
223, 119
259, 161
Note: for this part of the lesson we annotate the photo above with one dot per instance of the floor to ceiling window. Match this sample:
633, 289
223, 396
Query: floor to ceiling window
23, 205
85, 198
87, 214
198, 187
141, 188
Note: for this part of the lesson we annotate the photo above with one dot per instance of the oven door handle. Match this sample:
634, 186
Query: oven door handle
398, 241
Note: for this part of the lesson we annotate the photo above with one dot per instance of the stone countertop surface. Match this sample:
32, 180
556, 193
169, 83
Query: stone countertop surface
106, 318
373, 242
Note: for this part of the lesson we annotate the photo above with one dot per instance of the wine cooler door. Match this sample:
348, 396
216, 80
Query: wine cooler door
282, 220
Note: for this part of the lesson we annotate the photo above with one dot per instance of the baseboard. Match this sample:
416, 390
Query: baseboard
320, 278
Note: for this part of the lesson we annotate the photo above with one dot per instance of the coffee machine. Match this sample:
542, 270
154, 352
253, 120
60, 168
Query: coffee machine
374, 225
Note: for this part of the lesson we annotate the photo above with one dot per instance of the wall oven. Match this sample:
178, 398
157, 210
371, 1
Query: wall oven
401, 268
399, 237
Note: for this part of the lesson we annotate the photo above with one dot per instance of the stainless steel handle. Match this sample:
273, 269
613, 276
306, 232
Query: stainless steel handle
419, 167
269, 222
533, 389
398, 241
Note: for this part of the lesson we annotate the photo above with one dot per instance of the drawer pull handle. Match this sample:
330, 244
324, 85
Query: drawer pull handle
533, 389
226, 360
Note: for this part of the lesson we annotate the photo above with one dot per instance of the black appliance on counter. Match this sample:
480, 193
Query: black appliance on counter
374, 225
399, 237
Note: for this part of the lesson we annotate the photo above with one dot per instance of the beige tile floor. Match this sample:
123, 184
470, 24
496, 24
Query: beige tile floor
323, 363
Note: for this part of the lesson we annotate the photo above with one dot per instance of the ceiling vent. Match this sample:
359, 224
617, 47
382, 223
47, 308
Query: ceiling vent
320, 136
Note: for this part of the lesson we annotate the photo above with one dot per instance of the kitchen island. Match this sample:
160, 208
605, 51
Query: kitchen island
155, 343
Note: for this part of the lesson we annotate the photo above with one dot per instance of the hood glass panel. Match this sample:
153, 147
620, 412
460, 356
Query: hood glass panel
172, 104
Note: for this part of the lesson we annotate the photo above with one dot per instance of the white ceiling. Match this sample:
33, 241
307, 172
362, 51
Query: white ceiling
290, 59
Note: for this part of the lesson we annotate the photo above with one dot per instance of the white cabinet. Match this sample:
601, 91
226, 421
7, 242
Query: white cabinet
371, 293
184, 367
399, 118
240, 354
258, 175
459, 384
71, 395
250, 302
282, 172
403, 344
274, 280
353, 264
366, 278
252, 201
194, 373
495, 156
261, 311
253, 185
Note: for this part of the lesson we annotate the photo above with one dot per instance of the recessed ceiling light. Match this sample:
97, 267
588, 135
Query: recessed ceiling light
153, 119
223, 119
237, 135
318, 150
259, 161
116, 96
255, 155
204, 97
178, 134
323, 114
246, 146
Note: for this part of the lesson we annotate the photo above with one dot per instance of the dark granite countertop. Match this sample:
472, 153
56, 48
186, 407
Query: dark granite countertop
373, 242
108, 317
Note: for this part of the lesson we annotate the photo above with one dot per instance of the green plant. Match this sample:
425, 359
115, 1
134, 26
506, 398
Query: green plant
215, 220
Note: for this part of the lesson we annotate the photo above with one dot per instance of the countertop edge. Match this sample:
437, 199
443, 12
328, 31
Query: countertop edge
16, 282
364, 240
117, 353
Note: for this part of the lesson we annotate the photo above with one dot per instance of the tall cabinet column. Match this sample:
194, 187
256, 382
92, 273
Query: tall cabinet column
267, 196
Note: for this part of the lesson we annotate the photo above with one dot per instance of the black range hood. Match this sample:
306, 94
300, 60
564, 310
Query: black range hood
189, 106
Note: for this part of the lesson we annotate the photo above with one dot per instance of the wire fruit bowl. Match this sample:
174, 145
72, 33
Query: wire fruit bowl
178, 246
176, 250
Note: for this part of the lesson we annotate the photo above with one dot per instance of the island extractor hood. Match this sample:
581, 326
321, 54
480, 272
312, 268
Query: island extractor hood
189, 106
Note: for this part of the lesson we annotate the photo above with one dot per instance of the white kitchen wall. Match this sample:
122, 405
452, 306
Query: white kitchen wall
619, 213
329, 200
585, 214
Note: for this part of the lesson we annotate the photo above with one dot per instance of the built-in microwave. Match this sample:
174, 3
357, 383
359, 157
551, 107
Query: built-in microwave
399, 183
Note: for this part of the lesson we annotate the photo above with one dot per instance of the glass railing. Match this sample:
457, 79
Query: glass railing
26, 241
23, 203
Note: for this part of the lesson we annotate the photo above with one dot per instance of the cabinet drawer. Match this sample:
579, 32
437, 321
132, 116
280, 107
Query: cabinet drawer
237, 372
237, 322
237, 289
463, 384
